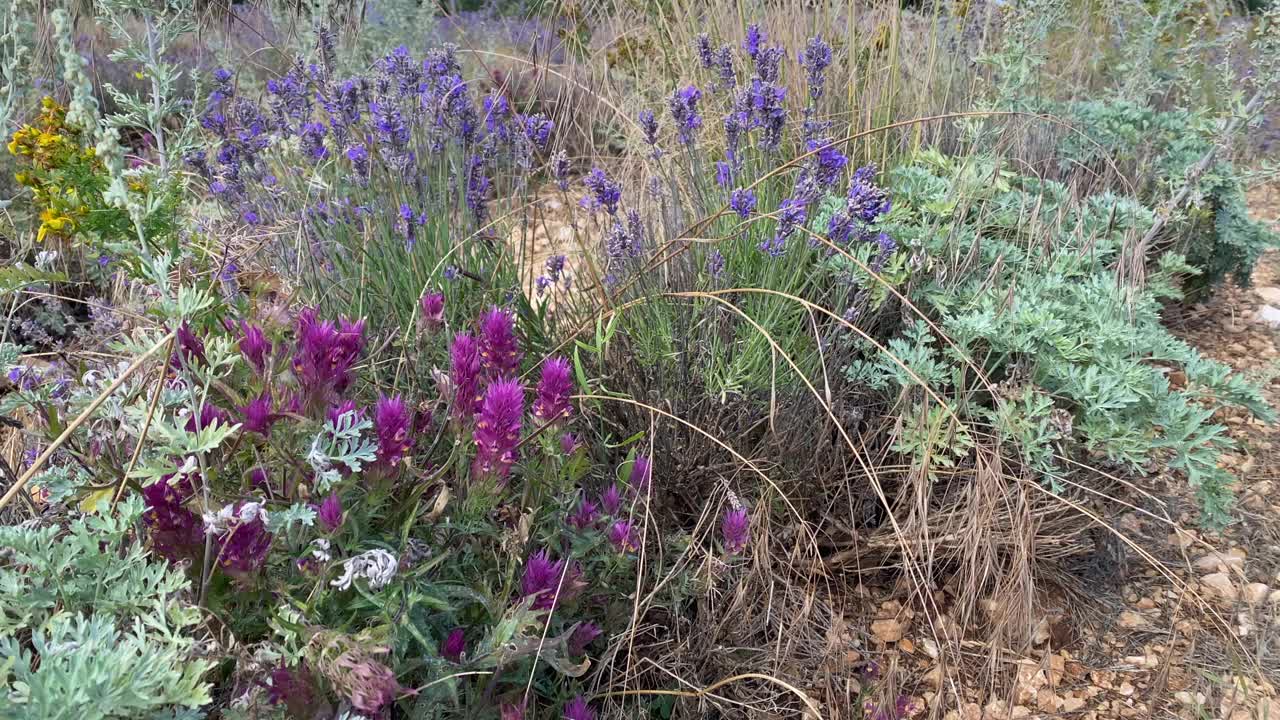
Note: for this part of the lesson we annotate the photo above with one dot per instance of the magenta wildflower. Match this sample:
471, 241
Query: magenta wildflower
582, 636
464, 375
190, 348
325, 353
499, 349
497, 430
259, 478
243, 546
391, 421
254, 346
432, 307
568, 443
511, 711
454, 645
208, 416
611, 499
554, 388
335, 412
257, 414
176, 532
735, 529
542, 577
330, 512
291, 687
623, 537
641, 474
578, 709
584, 516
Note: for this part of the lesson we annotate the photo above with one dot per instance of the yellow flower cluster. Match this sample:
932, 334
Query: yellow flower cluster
50, 145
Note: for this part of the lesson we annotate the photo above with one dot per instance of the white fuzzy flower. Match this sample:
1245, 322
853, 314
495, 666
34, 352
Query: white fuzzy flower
320, 550
376, 566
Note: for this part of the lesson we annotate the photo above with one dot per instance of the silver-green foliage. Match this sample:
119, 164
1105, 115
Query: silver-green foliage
91, 628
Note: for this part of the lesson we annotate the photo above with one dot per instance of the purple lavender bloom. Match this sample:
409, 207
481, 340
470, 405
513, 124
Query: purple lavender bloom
792, 214
254, 346
568, 443
560, 170
454, 646
684, 111
755, 37
359, 157
538, 128
497, 432
499, 348
765, 106
611, 499
584, 516
104, 260
702, 43
313, 141
724, 174
542, 578
769, 63
432, 306
715, 263
885, 247
176, 533
622, 536
641, 474
649, 125
830, 162
582, 636
816, 58
408, 224
867, 202
451, 273
391, 422
555, 267
735, 530
330, 513
743, 202
554, 388
605, 192
578, 709
727, 79
257, 415
464, 375
477, 195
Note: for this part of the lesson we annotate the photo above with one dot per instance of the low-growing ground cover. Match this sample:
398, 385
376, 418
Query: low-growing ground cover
798, 373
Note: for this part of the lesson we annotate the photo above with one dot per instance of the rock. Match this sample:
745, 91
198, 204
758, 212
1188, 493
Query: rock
1146, 603
1132, 621
1219, 585
1219, 561
1269, 315
1274, 597
888, 630
1071, 703
1256, 593
1269, 293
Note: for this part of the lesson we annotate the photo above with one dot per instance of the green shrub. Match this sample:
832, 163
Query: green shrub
90, 627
